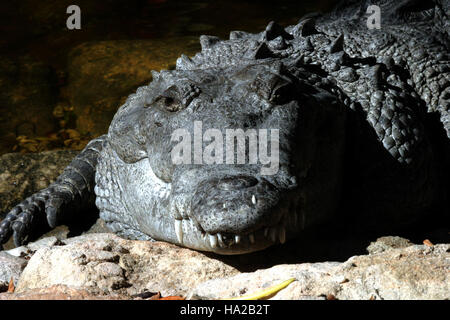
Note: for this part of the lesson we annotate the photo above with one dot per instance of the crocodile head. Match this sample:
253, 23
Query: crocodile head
280, 174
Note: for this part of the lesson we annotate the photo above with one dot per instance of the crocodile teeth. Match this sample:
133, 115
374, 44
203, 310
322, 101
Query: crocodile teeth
237, 239
254, 199
179, 230
213, 240
282, 235
220, 238
251, 237
178, 215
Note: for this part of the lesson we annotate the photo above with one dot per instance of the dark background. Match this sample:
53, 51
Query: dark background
61, 87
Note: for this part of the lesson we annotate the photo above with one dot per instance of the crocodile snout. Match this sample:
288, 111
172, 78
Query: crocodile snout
235, 183
236, 204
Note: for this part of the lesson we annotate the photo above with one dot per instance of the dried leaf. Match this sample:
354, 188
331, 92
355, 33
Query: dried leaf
172, 298
156, 296
265, 293
427, 243
11, 286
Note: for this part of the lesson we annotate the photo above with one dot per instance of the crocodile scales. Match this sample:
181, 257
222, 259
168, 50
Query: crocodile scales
363, 121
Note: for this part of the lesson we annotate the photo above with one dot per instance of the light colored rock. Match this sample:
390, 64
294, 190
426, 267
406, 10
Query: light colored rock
309, 277
104, 264
61, 292
413, 272
43, 243
114, 265
387, 243
26, 251
10, 268
21, 252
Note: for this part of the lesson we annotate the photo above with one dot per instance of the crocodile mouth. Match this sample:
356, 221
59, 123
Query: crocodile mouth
189, 235
227, 243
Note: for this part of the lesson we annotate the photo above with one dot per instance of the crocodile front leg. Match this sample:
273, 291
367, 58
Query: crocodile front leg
72, 192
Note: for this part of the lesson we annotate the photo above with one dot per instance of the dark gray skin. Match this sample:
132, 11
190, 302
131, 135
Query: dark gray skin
350, 105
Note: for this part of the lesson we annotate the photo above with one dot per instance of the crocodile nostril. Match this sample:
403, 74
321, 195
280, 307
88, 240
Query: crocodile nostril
236, 182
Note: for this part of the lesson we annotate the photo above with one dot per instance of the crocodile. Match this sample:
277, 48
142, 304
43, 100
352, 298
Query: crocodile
362, 125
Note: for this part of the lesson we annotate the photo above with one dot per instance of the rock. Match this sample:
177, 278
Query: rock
10, 267
387, 243
100, 266
412, 272
20, 252
103, 74
309, 282
23, 174
113, 265
98, 227
60, 292
44, 243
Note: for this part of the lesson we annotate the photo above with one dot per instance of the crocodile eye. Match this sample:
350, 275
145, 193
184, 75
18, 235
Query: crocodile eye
170, 100
178, 97
171, 104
